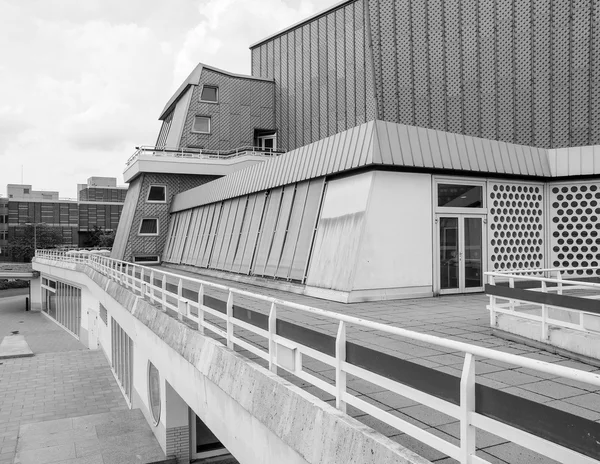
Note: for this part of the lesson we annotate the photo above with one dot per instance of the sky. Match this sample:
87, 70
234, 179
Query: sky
82, 82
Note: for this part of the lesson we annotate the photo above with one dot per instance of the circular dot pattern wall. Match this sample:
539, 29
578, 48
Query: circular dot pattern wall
575, 228
516, 226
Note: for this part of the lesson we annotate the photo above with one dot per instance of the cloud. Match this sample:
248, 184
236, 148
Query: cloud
82, 83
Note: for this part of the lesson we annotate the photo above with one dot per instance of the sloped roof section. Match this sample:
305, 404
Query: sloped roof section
343, 151
389, 144
194, 79
401, 145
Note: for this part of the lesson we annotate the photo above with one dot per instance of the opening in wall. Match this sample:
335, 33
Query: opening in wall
157, 194
210, 94
265, 139
149, 226
201, 125
149, 259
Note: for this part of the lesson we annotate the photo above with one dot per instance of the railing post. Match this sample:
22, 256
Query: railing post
511, 284
544, 315
560, 285
340, 374
467, 407
141, 280
200, 310
272, 332
492, 282
229, 320
179, 298
152, 286
163, 291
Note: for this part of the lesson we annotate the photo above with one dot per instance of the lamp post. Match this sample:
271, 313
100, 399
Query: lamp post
35, 224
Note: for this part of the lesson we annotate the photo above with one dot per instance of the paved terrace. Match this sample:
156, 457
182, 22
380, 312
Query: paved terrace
62, 402
462, 318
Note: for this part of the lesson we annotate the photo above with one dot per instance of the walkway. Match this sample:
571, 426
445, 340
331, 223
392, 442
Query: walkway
63, 380
463, 318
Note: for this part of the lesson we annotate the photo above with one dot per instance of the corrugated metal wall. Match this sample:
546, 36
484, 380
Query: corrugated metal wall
322, 71
267, 233
510, 70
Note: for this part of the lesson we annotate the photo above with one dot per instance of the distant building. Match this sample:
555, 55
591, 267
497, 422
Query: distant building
99, 203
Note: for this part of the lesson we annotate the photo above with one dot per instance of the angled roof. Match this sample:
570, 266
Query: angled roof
389, 144
194, 79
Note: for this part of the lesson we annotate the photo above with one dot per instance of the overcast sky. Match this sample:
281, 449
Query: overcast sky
82, 82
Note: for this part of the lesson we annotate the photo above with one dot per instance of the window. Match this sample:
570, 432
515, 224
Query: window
157, 194
460, 196
201, 125
146, 259
154, 392
25, 190
210, 94
149, 227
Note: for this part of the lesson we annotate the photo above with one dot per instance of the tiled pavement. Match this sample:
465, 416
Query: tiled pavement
463, 318
62, 380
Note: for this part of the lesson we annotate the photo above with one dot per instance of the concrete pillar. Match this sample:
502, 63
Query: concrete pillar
36, 293
177, 426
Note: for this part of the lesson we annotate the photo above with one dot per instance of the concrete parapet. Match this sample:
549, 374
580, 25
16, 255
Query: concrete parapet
258, 416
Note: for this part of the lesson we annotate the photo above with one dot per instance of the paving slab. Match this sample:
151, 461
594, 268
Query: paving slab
14, 346
86, 440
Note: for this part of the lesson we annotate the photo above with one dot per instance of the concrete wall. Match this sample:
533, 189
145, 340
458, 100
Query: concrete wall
395, 255
339, 233
235, 397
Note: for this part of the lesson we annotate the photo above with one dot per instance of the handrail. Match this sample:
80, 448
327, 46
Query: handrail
133, 277
197, 153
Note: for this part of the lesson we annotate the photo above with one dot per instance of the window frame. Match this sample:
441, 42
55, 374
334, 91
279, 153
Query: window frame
216, 87
149, 235
156, 261
209, 124
156, 201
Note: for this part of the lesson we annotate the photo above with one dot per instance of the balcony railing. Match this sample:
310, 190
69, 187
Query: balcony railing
553, 433
551, 297
192, 153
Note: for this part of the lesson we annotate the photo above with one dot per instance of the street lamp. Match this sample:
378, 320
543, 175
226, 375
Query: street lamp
35, 224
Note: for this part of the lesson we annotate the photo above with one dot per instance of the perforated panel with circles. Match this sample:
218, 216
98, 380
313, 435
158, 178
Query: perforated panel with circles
516, 226
575, 227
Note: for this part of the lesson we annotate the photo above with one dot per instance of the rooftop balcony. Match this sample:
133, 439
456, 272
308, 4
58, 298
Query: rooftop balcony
194, 161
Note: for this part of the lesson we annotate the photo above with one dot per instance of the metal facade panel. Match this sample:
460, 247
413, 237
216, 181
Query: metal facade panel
307, 229
595, 77
202, 213
487, 68
561, 70
227, 234
437, 65
281, 229
361, 61
235, 233
469, 65
365, 131
340, 71
522, 57
220, 235
580, 72
210, 235
331, 76
384, 153
252, 240
243, 240
267, 231
291, 240
453, 72
307, 95
420, 64
350, 66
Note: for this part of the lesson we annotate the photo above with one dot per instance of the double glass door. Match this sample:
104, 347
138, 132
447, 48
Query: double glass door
460, 239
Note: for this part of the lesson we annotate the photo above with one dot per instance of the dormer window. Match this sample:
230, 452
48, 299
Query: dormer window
210, 94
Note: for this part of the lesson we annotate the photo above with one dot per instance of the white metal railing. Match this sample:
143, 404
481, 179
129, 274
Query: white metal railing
193, 153
560, 281
133, 277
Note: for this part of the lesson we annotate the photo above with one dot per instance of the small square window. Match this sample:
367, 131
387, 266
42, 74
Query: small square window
157, 193
149, 227
25, 190
201, 124
210, 94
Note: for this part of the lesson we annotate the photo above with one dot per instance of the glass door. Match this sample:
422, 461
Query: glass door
460, 266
